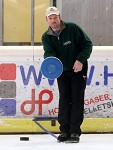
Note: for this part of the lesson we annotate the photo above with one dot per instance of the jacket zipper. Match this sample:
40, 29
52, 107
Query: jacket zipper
58, 40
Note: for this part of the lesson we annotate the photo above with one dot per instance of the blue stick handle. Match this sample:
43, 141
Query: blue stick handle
53, 135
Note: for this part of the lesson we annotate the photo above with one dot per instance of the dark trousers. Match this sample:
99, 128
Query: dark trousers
71, 101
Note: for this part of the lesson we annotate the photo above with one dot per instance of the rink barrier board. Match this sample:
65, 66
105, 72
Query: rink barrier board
90, 125
26, 125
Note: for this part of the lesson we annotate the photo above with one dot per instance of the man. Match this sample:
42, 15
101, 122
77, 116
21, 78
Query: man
69, 43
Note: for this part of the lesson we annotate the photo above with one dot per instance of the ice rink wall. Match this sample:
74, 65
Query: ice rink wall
25, 93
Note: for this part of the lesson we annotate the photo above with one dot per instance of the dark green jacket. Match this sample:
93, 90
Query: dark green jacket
72, 44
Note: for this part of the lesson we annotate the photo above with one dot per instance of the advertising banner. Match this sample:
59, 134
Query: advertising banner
25, 92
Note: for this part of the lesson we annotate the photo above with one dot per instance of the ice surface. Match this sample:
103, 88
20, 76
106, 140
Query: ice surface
47, 142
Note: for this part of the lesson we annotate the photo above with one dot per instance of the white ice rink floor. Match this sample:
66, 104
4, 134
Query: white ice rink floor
47, 142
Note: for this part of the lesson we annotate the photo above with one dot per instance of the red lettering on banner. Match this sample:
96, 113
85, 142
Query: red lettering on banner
33, 102
53, 111
96, 99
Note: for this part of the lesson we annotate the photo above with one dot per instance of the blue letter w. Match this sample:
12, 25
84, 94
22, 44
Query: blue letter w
32, 70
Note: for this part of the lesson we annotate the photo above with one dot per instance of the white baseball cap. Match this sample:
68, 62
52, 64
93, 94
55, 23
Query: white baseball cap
52, 11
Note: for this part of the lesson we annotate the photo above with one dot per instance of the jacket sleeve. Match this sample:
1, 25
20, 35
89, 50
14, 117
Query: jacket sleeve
47, 46
85, 45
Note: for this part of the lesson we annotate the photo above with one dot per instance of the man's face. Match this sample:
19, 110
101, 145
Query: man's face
53, 21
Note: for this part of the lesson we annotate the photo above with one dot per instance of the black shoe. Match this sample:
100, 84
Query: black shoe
74, 138
63, 137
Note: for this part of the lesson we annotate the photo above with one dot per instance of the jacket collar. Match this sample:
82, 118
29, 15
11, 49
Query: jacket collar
50, 31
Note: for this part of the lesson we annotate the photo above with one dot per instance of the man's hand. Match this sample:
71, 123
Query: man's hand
77, 66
